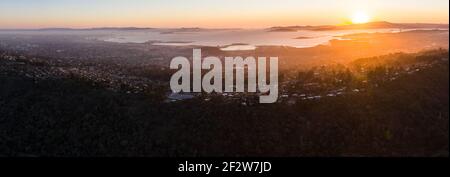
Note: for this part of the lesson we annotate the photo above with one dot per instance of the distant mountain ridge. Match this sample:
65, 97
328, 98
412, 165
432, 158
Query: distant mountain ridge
370, 25
166, 30
80, 29
93, 29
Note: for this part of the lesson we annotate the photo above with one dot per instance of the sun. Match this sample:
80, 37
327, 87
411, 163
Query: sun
359, 17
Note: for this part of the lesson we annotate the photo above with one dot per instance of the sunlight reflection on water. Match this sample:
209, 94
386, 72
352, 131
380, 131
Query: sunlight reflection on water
229, 40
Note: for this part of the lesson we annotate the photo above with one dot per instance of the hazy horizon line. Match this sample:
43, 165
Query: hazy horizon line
199, 27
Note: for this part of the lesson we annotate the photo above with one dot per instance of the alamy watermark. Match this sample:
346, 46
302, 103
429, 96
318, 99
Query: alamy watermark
232, 75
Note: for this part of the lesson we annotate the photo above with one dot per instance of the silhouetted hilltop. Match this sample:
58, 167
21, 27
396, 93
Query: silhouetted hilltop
370, 25
402, 111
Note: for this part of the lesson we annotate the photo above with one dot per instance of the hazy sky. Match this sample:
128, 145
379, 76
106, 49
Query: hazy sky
212, 13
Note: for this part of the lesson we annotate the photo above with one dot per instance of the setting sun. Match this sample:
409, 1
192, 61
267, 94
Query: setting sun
360, 17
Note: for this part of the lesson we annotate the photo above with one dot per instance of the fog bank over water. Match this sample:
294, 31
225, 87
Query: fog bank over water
232, 39
226, 39
239, 39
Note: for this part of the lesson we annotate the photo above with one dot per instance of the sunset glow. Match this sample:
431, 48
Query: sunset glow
360, 17
215, 14
191, 79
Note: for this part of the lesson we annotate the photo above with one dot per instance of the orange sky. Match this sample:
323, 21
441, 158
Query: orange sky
213, 13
